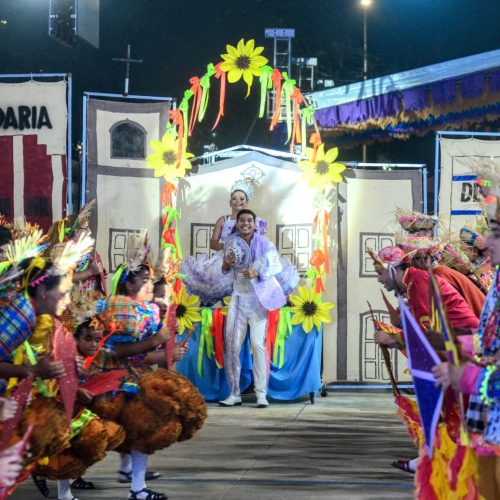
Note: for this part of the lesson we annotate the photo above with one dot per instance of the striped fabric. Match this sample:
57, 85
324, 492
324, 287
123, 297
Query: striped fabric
17, 321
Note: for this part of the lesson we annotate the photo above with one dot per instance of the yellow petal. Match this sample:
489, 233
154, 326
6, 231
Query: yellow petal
258, 61
307, 324
227, 66
323, 316
234, 75
331, 155
257, 51
297, 319
231, 50
240, 47
156, 145
320, 154
228, 58
295, 300
250, 45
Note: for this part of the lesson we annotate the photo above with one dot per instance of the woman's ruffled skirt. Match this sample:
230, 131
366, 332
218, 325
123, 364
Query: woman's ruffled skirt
167, 408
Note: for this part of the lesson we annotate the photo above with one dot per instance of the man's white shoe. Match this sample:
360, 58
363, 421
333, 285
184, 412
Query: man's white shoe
262, 401
231, 401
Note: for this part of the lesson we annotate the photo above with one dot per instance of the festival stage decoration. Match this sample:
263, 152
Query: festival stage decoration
421, 359
170, 160
309, 309
187, 312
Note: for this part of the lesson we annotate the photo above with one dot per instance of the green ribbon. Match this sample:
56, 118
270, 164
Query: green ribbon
77, 424
38, 381
287, 89
206, 338
205, 87
265, 84
283, 332
307, 115
184, 107
115, 280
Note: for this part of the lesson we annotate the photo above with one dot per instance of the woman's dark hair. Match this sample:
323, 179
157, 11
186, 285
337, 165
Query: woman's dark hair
131, 276
80, 329
49, 281
5, 236
248, 212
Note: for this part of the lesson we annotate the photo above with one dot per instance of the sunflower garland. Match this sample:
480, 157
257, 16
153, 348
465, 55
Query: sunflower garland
164, 159
309, 310
245, 61
187, 313
321, 171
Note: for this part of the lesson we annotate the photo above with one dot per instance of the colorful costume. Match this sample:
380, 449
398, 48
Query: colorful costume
250, 302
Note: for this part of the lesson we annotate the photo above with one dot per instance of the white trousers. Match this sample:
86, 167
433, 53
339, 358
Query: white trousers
243, 309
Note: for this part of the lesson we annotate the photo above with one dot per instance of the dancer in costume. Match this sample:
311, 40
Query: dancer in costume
203, 277
256, 291
89, 274
480, 377
161, 406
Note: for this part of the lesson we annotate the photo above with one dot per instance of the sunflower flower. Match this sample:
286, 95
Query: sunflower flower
321, 172
164, 158
309, 310
187, 313
245, 61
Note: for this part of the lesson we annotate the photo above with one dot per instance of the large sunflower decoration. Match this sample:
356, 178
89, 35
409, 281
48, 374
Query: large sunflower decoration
309, 310
321, 170
245, 61
187, 312
164, 158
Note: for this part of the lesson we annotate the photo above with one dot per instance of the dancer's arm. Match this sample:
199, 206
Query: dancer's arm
128, 349
215, 243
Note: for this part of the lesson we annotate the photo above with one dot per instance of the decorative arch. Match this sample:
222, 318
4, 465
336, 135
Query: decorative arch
128, 139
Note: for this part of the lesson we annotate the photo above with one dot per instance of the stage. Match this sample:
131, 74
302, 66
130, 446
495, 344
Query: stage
341, 447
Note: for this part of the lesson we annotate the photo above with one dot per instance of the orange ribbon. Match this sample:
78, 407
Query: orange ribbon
216, 330
167, 199
315, 141
90, 359
221, 75
197, 91
177, 120
273, 318
297, 99
321, 220
276, 79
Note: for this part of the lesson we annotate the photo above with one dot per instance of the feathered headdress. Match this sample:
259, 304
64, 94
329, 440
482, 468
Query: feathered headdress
83, 306
138, 251
84, 215
412, 221
20, 227
167, 265
488, 178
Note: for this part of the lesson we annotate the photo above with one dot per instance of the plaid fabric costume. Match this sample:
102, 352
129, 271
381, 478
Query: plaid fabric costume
17, 321
483, 418
135, 321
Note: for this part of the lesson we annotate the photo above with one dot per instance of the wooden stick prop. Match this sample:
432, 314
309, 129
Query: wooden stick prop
385, 353
171, 321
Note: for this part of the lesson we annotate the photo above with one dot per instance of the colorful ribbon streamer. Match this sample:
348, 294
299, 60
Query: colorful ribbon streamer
206, 338
217, 330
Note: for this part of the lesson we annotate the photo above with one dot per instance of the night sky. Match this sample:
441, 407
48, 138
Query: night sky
177, 40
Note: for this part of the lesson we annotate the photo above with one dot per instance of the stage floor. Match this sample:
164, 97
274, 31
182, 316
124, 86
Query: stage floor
339, 448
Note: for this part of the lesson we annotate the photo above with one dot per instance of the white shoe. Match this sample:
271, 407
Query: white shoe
262, 401
231, 401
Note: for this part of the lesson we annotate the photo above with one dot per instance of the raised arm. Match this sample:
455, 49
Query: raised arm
215, 243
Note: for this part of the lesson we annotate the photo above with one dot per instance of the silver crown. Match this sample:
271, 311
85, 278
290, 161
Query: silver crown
244, 185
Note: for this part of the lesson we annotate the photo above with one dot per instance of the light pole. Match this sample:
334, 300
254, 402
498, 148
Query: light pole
365, 5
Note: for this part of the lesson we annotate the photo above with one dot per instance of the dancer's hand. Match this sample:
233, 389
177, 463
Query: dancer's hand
386, 339
11, 464
228, 261
84, 396
447, 374
250, 273
80, 365
180, 351
8, 408
46, 368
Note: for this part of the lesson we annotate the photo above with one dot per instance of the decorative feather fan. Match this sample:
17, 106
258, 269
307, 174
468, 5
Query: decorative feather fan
25, 248
83, 306
72, 252
137, 250
166, 266
20, 227
84, 214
